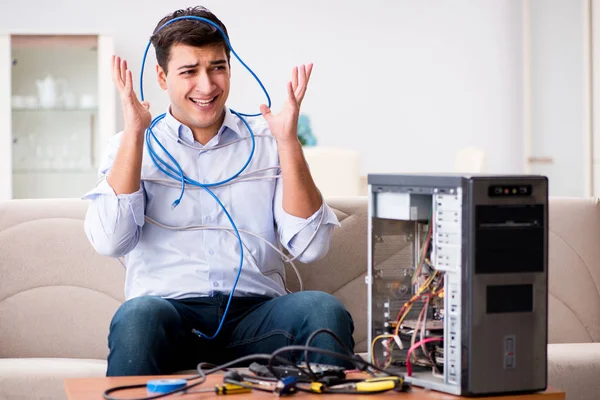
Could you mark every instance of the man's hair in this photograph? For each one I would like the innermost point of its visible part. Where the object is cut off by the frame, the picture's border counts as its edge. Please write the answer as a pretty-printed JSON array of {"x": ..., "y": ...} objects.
[{"x": 190, "y": 32}]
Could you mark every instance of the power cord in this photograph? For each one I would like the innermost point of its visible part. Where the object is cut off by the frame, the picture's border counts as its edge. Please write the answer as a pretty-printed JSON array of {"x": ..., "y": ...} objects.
[
  {"x": 201, "y": 375},
  {"x": 391, "y": 380},
  {"x": 311, "y": 338}
]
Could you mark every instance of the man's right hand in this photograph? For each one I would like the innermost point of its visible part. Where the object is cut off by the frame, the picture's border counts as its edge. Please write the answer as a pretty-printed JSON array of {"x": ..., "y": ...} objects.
[{"x": 136, "y": 114}]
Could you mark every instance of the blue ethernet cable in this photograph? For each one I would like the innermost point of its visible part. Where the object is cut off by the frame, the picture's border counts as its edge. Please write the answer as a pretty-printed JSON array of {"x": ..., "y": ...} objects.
[{"x": 176, "y": 172}]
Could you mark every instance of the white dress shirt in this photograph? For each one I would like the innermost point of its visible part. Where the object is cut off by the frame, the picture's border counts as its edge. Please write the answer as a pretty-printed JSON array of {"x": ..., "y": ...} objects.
[{"x": 175, "y": 263}]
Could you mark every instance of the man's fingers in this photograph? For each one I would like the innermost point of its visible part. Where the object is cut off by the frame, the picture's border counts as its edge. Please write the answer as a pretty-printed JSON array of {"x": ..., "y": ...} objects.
[
  {"x": 304, "y": 76},
  {"x": 129, "y": 84},
  {"x": 264, "y": 109},
  {"x": 295, "y": 77},
  {"x": 124, "y": 70},
  {"x": 301, "y": 78},
  {"x": 303, "y": 82},
  {"x": 266, "y": 112},
  {"x": 116, "y": 73},
  {"x": 146, "y": 105},
  {"x": 308, "y": 72},
  {"x": 291, "y": 95}
]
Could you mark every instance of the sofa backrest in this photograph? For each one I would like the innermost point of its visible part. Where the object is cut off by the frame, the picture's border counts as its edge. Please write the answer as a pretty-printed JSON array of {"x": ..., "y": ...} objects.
[
  {"x": 343, "y": 270},
  {"x": 57, "y": 296},
  {"x": 574, "y": 270}
]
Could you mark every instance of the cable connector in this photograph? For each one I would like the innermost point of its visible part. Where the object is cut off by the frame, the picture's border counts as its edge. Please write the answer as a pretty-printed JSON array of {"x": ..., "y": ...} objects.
[
  {"x": 286, "y": 386},
  {"x": 398, "y": 342},
  {"x": 198, "y": 333},
  {"x": 317, "y": 387}
]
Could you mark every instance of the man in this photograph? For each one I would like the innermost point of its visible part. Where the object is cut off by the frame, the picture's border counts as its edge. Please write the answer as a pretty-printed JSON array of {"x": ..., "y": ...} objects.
[{"x": 178, "y": 280}]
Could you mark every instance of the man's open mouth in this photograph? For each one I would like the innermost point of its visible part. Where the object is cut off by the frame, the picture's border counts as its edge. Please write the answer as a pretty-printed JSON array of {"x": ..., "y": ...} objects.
[{"x": 203, "y": 102}]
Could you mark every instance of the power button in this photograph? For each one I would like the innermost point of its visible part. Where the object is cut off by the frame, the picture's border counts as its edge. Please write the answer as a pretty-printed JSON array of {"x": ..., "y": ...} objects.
[{"x": 509, "y": 351}]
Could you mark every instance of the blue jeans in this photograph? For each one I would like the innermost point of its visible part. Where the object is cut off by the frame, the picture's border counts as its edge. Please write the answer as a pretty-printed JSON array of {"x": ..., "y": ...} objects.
[{"x": 152, "y": 336}]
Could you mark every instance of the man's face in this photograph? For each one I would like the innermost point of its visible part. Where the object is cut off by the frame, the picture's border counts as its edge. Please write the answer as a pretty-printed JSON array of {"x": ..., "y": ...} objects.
[{"x": 197, "y": 82}]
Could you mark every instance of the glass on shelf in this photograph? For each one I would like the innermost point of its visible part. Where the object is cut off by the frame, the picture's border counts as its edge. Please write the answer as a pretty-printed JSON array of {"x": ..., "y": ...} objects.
[
  {"x": 67, "y": 102},
  {"x": 39, "y": 152},
  {"x": 61, "y": 109}
]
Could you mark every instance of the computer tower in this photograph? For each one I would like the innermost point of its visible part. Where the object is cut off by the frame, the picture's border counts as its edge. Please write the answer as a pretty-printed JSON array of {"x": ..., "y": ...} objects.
[{"x": 458, "y": 278}]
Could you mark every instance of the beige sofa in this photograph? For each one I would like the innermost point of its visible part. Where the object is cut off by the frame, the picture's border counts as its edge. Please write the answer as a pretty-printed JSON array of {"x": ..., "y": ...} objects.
[{"x": 57, "y": 296}]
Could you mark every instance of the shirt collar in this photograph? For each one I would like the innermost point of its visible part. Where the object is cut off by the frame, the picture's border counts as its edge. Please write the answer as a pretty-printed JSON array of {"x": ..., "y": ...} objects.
[{"x": 185, "y": 133}]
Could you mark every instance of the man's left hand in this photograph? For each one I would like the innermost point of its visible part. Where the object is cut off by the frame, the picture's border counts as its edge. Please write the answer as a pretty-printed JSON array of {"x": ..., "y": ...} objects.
[{"x": 284, "y": 125}]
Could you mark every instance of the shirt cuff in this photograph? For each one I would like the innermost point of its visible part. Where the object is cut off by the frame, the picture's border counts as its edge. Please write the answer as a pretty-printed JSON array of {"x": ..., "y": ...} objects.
[
  {"x": 113, "y": 205},
  {"x": 293, "y": 225}
]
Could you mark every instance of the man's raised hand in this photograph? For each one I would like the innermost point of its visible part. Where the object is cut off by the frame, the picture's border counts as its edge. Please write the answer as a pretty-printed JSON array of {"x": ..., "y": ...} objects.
[{"x": 135, "y": 113}]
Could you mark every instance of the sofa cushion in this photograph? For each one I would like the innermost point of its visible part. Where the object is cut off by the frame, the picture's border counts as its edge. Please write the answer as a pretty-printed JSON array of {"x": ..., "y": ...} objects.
[
  {"x": 56, "y": 321},
  {"x": 42, "y": 378},
  {"x": 57, "y": 295},
  {"x": 342, "y": 271},
  {"x": 574, "y": 368},
  {"x": 574, "y": 275}
]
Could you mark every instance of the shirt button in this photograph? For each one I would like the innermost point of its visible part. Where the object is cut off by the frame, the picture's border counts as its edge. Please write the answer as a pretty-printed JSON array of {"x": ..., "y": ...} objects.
[
  {"x": 208, "y": 219},
  {"x": 211, "y": 252},
  {"x": 216, "y": 284},
  {"x": 205, "y": 181}
]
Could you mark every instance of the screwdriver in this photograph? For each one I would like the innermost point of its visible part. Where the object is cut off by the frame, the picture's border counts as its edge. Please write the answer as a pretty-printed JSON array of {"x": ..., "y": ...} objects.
[
  {"x": 373, "y": 385},
  {"x": 224, "y": 389},
  {"x": 231, "y": 388}
]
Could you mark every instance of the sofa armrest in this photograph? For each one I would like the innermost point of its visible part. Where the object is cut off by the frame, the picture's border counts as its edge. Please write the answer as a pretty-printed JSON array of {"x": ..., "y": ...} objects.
[{"x": 575, "y": 369}]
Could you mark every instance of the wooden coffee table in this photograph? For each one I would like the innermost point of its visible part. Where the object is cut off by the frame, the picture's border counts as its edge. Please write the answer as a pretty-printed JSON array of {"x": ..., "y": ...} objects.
[{"x": 93, "y": 388}]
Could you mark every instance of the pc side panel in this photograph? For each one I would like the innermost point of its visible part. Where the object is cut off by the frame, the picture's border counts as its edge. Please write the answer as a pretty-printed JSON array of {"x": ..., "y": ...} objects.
[{"x": 415, "y": 279}]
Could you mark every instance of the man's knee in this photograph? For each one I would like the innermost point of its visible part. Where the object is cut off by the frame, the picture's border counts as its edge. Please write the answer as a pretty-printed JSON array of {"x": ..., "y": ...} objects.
[
  {"x": 143, "y": 315},
  {"x": 139, "y": 336},
  {"x": 321, "y": 309}
]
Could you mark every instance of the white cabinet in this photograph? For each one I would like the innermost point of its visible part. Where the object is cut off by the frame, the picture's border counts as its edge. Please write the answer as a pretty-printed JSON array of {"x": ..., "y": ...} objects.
[{"x": 57, "y": 114}]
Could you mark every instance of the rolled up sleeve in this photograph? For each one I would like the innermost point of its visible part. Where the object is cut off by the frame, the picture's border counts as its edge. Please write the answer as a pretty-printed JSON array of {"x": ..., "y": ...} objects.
[
  {"x": 295, "y": 233},
  {"x": 113, "y": 222}
]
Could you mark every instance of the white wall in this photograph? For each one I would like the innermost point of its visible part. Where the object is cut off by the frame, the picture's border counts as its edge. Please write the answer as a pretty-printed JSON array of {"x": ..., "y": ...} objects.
[
  {"x": 407, "y": 83},
  {"x": 560, "y": 89}
]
